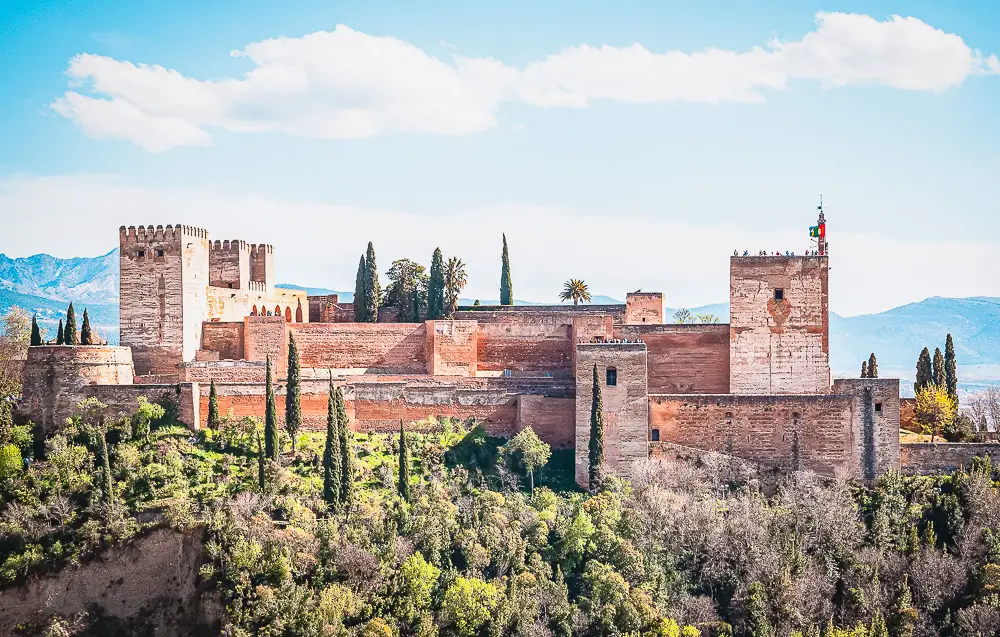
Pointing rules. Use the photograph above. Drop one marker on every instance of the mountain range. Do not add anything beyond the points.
(44, 285)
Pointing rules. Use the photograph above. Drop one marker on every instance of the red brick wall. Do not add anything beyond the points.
(224, 338)
(684, 359)
(266, 336)
(452, 348)
(227, 372)
(392, 348)
(644, 308)
(553, 419)
(763, 429)
(525, 342)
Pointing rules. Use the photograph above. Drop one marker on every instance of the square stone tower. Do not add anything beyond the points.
(644, 308)
(779, 339)
(163, 300)
(622, 375)
(229, 264)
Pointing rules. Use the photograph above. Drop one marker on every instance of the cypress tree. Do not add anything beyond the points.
(404, 464)
(506, 286)
(435, 287)
(69, 332)
(938, 376)
(331, 452)
(261, 463)
(360, 287)
(864, 369)
(596, 433)
(60, 340)
(373, 291)
(271, 442)
(86, 336)
(293, 392)
(346, 461)
(924, 374)
(36, 334)
(213, 407)
(872, 366)
(107, 482)
(950, 368)
(414, 313)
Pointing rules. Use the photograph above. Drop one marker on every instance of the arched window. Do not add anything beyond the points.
(298, 313)
(277, 310)
(288, 314)
(253, 312)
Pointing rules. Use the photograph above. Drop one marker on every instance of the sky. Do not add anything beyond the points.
(634, 145)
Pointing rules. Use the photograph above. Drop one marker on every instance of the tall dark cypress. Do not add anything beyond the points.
(596, 433)
(413, 315)
(360, 288)
(69, 332)
(346, 460)
(872, 366)
(950, 368)
(213, 407)
(435, 287)
(506, 285)
(261, 463)
(373, 291)
(925, 376)
(36, 334)
(86, 336)
(404, 464)
(271, 442)
(60, 339)
(331, 452)
(107, 482)
(293, 392)
(939, 375)
(864, 369)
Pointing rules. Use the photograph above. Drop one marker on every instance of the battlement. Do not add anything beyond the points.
(134, 235)
(260, 249)
(236, 245)
(256, 286)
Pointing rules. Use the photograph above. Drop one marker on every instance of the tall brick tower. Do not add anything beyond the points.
(779, 323)
(163, 300)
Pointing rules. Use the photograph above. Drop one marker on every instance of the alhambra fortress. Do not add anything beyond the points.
(758, 388)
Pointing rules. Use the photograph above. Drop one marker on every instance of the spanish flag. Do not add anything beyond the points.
(818, 231)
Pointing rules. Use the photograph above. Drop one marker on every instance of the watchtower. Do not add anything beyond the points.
(229, 264)
(164, 273)
(779, 323)
(262, 264)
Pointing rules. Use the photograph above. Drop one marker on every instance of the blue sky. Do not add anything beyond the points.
(586, 131)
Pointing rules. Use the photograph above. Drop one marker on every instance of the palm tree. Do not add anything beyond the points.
(454, 280)
(575, 289)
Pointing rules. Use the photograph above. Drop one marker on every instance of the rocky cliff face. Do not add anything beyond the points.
(149, 587)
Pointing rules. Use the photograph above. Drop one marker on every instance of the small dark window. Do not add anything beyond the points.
(159, 253)
(655, 434)
(779, 294)
(612, 377)
(140, 253)
(878, 406)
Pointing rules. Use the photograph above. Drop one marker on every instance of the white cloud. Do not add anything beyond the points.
(614, 253)
(344, 83)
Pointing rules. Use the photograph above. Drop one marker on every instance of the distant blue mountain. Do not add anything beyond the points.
(45, 284)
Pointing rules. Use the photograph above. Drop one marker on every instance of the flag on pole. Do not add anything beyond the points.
(818, 231)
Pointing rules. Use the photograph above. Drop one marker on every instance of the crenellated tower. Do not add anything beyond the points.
(163, 301)
(262, 264)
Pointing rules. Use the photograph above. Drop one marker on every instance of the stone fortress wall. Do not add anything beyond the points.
(196, 312)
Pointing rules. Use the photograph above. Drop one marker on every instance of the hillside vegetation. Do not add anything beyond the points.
(471, 551)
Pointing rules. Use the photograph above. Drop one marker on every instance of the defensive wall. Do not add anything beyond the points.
(919, 458)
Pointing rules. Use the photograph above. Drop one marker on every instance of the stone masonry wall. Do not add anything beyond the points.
(644, 308)
(265, 336)
(224, 338)
(536, 344)
(383, 348)
(55, 378)
(779, 345)
(684, 359)
(790, 432)
(626, 409)
(125, 398)
(944, 457)
(451, 348)
(875, 416)
(553, 419)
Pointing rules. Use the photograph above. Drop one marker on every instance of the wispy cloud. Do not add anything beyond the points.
(347, 84)
(113, 39)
